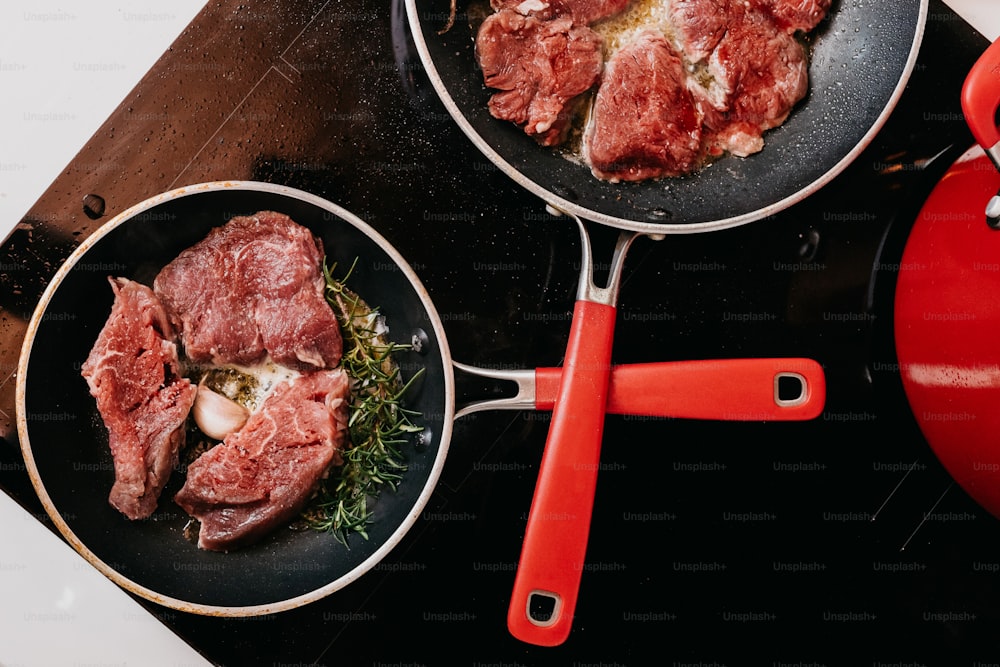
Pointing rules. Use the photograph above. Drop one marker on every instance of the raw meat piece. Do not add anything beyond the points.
(134, 373)
(644, 123)
(764, 73)
(261, 477)
(698, 26)
(251, 287)
(795, 15)
(745, 69)
(540, 68)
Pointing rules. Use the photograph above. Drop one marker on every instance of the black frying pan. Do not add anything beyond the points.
(65, 443)
(861, 59)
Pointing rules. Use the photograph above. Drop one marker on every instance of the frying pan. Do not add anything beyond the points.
(64, 442)
(946, 312)
(861, 58)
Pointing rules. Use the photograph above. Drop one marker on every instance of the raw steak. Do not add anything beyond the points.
(764, 73)
(583, 12)
(745, 69)
(698, 26)
(261, 477)
(134, 373)
(251, 287)
(539, 68)
(795, 15)
(645, 123)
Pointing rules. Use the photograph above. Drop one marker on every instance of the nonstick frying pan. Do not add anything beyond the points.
(861, 58)
(65, 444)
(64, 441)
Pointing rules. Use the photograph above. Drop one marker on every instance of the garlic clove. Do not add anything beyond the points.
(216, 415)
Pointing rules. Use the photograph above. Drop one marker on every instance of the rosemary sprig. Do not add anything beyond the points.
(378, 425)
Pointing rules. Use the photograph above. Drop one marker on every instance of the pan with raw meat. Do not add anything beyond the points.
(139, 538)
(860, 57)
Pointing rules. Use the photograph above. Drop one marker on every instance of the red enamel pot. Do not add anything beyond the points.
(947, 313)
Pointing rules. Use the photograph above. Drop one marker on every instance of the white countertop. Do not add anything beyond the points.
(63, 70)
(64, 67)
(984, 15)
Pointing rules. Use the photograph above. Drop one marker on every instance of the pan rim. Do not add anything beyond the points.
(361, 568)
(653, 228)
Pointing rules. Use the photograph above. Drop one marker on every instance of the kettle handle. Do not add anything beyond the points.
(980, 100)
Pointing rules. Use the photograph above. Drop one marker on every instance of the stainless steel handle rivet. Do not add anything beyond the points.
(993, 212)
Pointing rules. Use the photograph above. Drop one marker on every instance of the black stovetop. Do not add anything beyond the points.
(835, 541)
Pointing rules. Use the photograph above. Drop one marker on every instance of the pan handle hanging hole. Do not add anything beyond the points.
(419, 341)
(543, 608)
(790, 389)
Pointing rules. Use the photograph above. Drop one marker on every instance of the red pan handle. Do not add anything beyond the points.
(981, 97)
(723, 389)
(555, 539)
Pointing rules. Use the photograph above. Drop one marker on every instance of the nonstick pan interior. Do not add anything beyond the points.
(65, 443)
(861, 59)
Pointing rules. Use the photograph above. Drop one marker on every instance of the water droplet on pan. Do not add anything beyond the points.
(563, 191)
(419, 341)
(424, 440)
